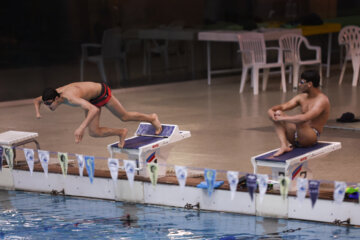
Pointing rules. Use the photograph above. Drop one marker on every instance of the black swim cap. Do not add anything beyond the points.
(49, 94)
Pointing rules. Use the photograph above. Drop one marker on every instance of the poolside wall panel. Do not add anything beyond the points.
(171, 195)
(81, 186)
(272, 206)
(324, 210)
(219, 201)
(123, 191)
(37, 182)
(6, 179)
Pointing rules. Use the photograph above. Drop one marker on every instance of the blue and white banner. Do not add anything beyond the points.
(251, 184)
(210, 177)
(153, 168)
(63, 159)
(1, 157)
(44, 157)
(284, 186)
(113, 165)
(339, 192)
(181, 175)
(314, 191)
(81, 163)
(130, 166)
(29, 156)
(263, 184)
(233, 180)
(301, 185)
(90, 167)
(9, 156)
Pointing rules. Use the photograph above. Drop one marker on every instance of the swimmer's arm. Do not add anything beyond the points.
(37, 103)
(294, 102)
(91, 113)
(304, 117)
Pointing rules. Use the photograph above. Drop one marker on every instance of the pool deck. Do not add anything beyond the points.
(227, 128)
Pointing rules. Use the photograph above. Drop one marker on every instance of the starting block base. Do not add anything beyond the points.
(146, 147)
(292, 164)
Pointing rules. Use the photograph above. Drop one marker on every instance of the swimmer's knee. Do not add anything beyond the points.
(125, 117)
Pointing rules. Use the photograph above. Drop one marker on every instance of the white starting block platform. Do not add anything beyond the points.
(17, 138)
(291, 163)
(146, 147)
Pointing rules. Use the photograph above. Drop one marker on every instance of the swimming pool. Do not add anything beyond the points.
(27, 215)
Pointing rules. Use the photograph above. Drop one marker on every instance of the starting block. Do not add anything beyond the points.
(16, 138)
(146, 147)
(290, 164)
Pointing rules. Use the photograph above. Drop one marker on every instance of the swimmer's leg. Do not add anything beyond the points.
(119, 111)
(285, 132)
(96, 131)
(306, 134)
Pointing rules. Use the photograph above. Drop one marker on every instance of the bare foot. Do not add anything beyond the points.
(282, 150)
(122, 135)
(156, 123)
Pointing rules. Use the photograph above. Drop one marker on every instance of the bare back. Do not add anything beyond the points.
(84, 90)
(319, 104)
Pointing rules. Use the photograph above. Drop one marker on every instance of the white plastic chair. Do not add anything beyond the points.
(111, 48)
(159, 47)
(253, 54)
(349, 37)
(290, 45)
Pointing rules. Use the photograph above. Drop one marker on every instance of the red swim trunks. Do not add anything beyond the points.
(104, 96)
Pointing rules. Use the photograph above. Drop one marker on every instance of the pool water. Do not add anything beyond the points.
(25, 215)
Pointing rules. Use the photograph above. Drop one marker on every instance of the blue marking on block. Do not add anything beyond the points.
(296, 152)
(137, 142)
(147, 129)
(205, 186)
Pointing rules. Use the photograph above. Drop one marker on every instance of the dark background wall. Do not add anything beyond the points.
(41, 34)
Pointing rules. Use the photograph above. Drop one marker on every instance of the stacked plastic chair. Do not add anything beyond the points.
(290, 45)
(253, 53)
(111, 48)
(349, 37)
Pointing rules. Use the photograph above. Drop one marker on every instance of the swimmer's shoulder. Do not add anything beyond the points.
(300, 97)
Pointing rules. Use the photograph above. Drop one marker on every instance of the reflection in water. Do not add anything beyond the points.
(130, 217)
(272, 226)
(38, 216)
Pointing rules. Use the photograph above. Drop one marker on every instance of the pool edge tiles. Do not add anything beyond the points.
(170, 194)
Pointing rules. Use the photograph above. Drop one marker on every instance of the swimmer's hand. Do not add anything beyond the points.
(278, 113)
(37, 101)
(280, 116)
(79, 133)
(273, 114)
